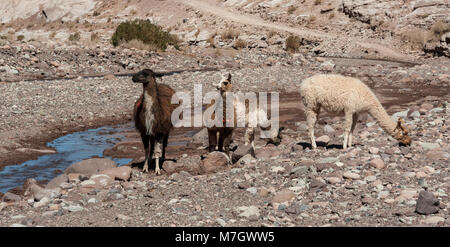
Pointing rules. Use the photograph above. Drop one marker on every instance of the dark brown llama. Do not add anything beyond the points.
(152, 116)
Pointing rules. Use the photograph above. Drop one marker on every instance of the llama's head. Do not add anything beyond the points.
(401, 133)
(274, 136)
(225, 84)
(145, 76)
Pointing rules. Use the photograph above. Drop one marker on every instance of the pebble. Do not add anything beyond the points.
(333, 180)
(247, 212)
(433, 220)
(377, 163)
(351, 175)
(221, 222)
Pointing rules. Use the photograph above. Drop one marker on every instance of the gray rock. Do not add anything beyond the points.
(74, 208)
(328, 129)
(54, 183)
(221, 222)
(429, 145)
(427, 203)
(247, 212)
(200, 137)
(241, 151)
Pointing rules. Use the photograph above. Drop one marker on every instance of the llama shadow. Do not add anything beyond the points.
(306, 145)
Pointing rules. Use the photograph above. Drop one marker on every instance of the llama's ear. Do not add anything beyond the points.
(400, 123)
(228, 76)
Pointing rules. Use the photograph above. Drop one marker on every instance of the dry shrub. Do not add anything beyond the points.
(439, 28)
(74, 37)
(317, 2)
(417, 37)
(271, 34)
(95, 37)
(139, 45)
(20, 37)
(230, 34)
(293, 43)
(240, 44)
(291, 9)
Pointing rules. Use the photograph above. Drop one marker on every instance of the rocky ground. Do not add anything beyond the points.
(48, 90)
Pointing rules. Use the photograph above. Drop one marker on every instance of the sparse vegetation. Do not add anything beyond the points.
(417, 37)
(291, 9)
(96, 13)
(20, 37)
(95, 37)
(332, 15)
(145, 31)
(271, 34)
(230, 34)
(439, 28)
(420, 37)
(139, 45)
(240, 44)
(317, 2)
(74, 37)
(293, 43)
(52, 35)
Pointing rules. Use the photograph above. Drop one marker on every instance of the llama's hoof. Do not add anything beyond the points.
(145, 169)
(157, 171)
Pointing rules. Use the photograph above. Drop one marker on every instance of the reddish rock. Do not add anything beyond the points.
(91, 166)
(97, 181)
(119, 173)
(73, 177)
(377, 163)
(214, 162)
(283, 196)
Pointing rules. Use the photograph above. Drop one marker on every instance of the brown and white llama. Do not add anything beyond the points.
(336, 94)
(221, 137)
(152, 116)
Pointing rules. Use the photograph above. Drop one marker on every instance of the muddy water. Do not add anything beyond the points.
(70, 149)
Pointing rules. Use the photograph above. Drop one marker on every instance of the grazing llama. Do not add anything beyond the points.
(152, 116)
(240, 108)
(336, 94)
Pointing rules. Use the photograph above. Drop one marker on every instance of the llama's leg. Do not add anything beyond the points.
(222, 136)
(146, 142)
(350, 136)
(250, 136)
(157, 155)
(228, 137)
(212, 137)
(149, 158)
(347, 127)
(311, 118)
(165, 141)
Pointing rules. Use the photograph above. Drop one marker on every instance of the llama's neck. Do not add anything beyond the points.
(150, 105)
(383, 119)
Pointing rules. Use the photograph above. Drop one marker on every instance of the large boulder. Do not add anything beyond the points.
(91, 166)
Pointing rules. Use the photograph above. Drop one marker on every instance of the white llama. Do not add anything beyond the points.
(337, 94)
